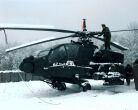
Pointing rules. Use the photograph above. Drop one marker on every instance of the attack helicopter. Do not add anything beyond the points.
(73, 62)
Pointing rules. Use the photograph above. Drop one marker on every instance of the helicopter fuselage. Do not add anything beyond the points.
(65, 61)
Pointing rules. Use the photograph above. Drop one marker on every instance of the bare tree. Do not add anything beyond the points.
(130, 40)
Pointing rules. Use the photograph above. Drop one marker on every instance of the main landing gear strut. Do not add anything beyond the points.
(56, 85)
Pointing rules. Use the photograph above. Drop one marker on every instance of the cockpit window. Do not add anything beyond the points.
(72, 51)
(58, 55)
(43, 53)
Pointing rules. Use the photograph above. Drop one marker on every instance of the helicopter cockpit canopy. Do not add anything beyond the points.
(43, 53)
(62, 53)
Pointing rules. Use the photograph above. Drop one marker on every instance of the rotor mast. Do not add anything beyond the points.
(84, 25)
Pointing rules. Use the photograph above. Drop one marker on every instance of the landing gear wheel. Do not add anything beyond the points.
(61, 87)
(56, 85)
(86, 86)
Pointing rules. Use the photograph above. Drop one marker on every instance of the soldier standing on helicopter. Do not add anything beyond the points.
(107, 36)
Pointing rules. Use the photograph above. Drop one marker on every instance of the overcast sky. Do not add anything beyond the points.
(68, 14)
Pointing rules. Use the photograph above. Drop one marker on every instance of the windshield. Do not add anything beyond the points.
(43, 53)
(58, 55)
(72, 51)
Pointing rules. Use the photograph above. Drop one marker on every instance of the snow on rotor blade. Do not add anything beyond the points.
(26, 45)
(119, 46)
(125, 30)
(27, 26)
(37, 42)
(33, 27)
(115, 44)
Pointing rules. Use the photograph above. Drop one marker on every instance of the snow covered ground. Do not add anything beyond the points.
(36, 95)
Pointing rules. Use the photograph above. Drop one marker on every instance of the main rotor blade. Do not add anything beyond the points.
(33, 27)
(125, 30)
(119, 46)
(115, 44)
(38, 42)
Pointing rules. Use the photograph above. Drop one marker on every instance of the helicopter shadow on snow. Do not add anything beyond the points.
(113, 89)
(74, 89)
(51, 93)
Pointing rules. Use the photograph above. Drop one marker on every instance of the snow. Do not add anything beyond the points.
(27, 26)
(11, 71)
(126, 48)
(37, 95)
(28, 44)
